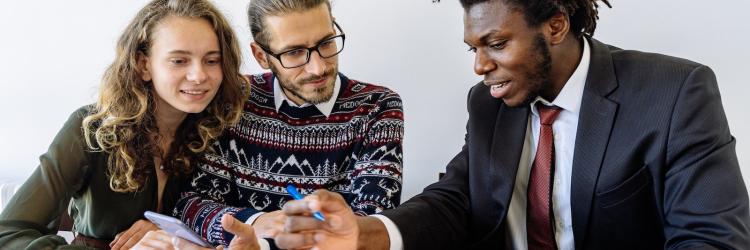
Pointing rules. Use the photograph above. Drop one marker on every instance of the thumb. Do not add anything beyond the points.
(179, 243)
(326, 201)
(236, 227)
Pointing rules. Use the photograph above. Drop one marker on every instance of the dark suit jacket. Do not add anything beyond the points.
(654, 165)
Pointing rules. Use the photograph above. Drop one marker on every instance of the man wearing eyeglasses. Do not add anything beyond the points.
(304, 123)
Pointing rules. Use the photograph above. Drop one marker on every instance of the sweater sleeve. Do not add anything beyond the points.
(377, 175)
(209, 196)
(31, 218)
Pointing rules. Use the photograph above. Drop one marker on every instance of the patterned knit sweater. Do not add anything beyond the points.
(355, 151)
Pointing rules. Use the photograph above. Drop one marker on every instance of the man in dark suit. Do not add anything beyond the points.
(570, 144)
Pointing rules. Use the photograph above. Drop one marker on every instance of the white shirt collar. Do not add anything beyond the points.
(324, 107)
(571, 95)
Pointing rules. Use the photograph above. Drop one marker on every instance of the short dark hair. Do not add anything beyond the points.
(582, 13)
(258, 10)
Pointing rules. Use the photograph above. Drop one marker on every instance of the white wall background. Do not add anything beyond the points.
(53, 53)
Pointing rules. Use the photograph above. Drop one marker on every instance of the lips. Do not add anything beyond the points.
(317, 82)
(194, 94)
(498, 89)
(500, 85)
(193, 91)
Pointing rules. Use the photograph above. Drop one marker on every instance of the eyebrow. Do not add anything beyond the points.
(486, 37)
(185, 52)
(299, 46)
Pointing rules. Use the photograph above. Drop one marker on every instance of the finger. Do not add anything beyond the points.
(161, 237)
(280, 218)
(244, 234)
(319, 237)
(327, 201)
(179, 243)
(154, 244)
(296, 207)
(111, 244)
(156, 234)
(124, 237)
(296, 224)
(334, 222)
(270, 233)
(236, 227)
(182, 244)
(144, 247)
(134, 238)
(294, 241)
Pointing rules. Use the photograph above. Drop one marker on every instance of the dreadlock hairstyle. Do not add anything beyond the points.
(582, 13)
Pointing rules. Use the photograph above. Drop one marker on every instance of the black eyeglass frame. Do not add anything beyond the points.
(309, 50)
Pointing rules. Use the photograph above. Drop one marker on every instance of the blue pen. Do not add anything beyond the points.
(297, 196)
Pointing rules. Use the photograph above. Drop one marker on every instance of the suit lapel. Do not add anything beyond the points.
(595, 123)
(507, 144)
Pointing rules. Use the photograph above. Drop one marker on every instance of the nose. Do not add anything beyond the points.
(482, 63)
(316, 65)
(197, 74)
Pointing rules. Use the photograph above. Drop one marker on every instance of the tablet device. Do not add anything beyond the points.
(176, 227)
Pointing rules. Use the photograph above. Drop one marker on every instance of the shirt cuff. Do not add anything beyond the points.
(252, 219)
(394, 235)
(263, 243)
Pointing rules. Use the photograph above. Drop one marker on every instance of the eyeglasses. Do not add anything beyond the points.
(298, 57)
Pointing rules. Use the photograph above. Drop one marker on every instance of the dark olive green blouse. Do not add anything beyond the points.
(70, 170)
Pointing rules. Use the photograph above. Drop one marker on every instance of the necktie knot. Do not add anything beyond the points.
(547, 114)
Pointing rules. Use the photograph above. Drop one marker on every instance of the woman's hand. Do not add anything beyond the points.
(128, 238)
(244, 238)
(155, 240)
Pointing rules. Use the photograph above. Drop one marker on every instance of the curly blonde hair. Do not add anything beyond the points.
(122, 123)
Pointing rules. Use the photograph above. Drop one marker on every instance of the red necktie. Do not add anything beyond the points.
(539, 230)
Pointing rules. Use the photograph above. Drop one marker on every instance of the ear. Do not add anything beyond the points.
(143, 67)
(557, 28)
(260, 55)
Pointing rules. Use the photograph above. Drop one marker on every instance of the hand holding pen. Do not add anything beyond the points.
(297, 196)
(340, 230)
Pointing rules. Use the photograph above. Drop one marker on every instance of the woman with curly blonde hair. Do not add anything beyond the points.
(172, 89)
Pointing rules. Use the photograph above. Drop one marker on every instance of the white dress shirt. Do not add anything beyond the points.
(325, 107)
(564, 129)
(564, 133)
